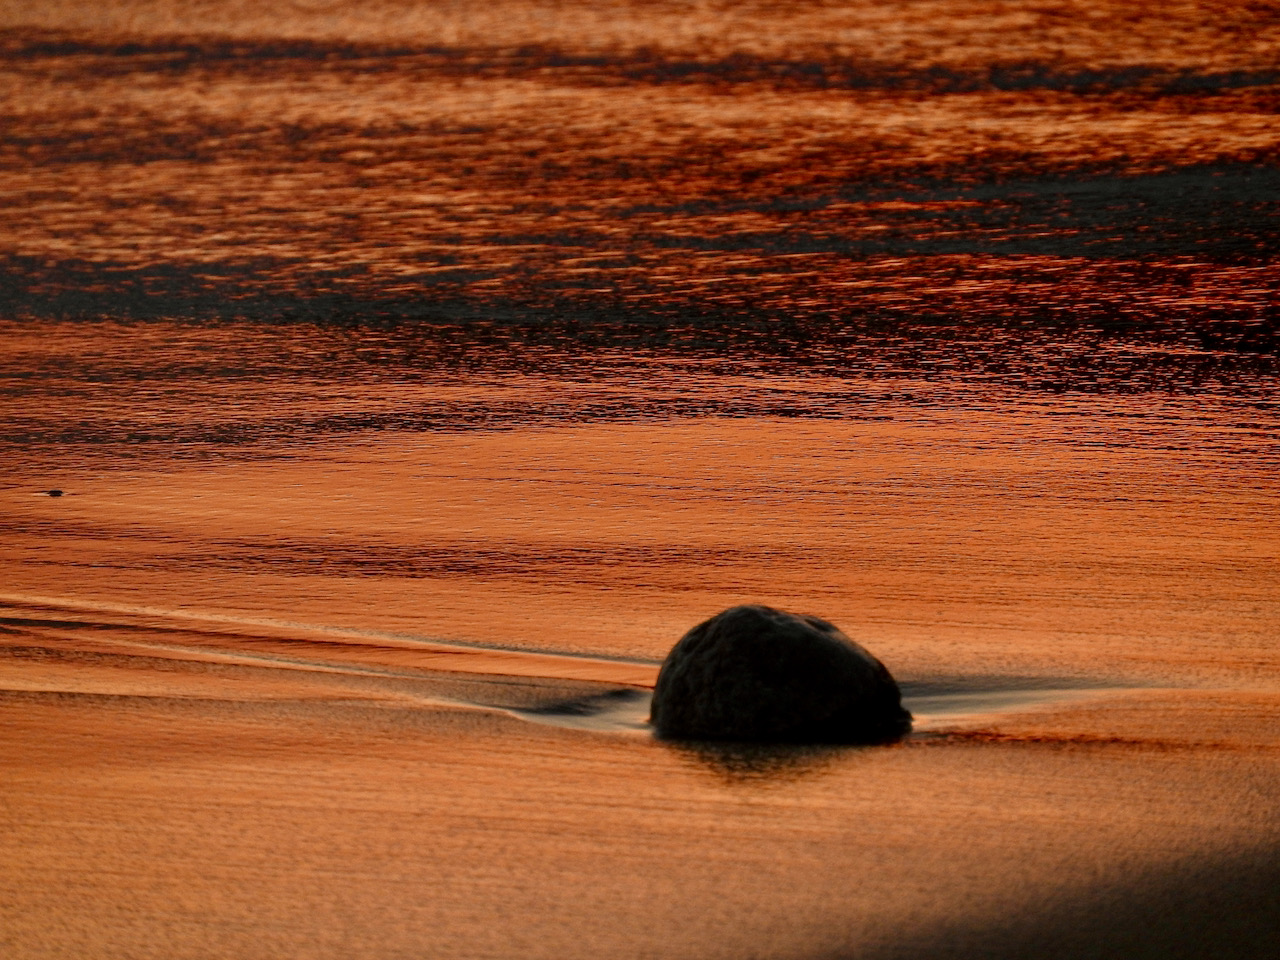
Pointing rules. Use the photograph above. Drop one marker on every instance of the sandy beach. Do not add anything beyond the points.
(386, 387)
(247, 709)
(166, 797)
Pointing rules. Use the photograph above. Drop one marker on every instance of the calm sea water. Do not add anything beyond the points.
(556, 327)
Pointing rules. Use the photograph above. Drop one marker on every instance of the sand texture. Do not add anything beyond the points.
(182, 807)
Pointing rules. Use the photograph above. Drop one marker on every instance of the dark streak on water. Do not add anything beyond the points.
(52, 52)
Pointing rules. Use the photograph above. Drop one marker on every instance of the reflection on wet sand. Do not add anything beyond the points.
(762, 763)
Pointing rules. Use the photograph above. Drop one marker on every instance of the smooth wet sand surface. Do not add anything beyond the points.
(326, 704)
(1066, 539)
(178, 805)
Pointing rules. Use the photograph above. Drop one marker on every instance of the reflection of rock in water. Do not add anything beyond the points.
(761, 762)
(756, 674)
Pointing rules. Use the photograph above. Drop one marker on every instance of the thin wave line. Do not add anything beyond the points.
(413, 640)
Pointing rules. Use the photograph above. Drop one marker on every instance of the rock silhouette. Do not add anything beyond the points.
(757, 674)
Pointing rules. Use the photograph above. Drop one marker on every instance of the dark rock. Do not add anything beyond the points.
(761, 675)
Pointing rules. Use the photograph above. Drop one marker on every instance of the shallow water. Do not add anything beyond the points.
(414, 375)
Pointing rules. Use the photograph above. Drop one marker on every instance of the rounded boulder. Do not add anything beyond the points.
(756, 674)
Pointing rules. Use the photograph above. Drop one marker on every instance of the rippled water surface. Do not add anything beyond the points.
(407, 372)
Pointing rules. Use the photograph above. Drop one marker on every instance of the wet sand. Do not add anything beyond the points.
(325, 704)
(165, 798)
(386, 699)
